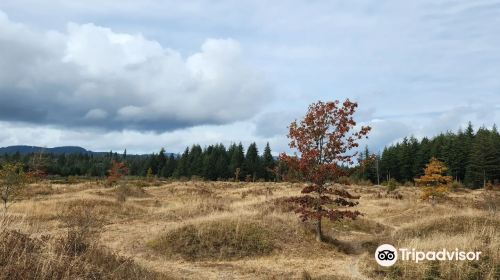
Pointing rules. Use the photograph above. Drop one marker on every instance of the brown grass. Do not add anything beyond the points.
(235, 230)
(219, 240)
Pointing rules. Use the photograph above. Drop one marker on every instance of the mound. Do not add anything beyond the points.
(450, 225)
(221, 239)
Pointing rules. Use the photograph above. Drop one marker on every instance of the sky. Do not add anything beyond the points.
(141, 75)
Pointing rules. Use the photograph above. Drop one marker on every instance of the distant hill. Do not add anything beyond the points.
(23, 149)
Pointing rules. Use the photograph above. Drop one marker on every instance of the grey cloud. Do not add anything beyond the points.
(92, 76)
(272, 124)
(411, 61)
(385, 132)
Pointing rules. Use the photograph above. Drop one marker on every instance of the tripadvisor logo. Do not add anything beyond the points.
(387, 255)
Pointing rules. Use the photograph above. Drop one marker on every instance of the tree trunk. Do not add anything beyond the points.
(319, 232)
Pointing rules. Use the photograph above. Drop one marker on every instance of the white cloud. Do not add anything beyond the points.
(88, 73)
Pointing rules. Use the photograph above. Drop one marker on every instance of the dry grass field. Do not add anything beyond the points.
(223, 230)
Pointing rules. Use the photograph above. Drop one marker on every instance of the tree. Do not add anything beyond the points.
(162, 160)
(12, 178)
(324, 139)
(484, 161)
(268, 163)
(116, 172)
(434, 183)
(237, 158)
(252, 162)
(196, 160)
(367, 169)
(169, 168)
(182, 168)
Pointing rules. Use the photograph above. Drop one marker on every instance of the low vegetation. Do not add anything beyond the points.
(217, 240)
(210, 230)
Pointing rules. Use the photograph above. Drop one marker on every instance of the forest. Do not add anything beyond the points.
(214, 162)
(472, 158)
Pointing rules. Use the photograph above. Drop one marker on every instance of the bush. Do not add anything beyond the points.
(392, 185)
(126, 190)
(223, 239)
(488, 186)
(456, 185)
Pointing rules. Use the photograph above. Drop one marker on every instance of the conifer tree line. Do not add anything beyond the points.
(472, 157)
(214, 162)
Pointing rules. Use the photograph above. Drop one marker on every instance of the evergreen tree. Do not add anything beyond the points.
(484, 160)
(252, 162)
(268, 163)
(182, 168)
(196, 160)
(237, 159)
(422, 157)
(162, 160)
(170, 166)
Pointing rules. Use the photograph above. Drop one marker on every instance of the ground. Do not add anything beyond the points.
(150, 225)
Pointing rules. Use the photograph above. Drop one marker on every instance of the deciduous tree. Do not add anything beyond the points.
(324, 140)
(116, 172)
(12, 178)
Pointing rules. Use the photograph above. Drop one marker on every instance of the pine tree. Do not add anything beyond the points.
(221, 162)
(484, 159)
(196, 160)
(237, 159)
(182, 168)
(170, 166)
(252, 162)
(369, 168)
(161, 161)
(422, 157)
(268, 163)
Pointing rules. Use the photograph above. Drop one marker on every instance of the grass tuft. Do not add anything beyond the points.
(221, 239)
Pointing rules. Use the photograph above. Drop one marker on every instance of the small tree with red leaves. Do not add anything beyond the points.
(116, 172)
(324, 139)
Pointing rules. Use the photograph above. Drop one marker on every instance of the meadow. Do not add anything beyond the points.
(236, 230)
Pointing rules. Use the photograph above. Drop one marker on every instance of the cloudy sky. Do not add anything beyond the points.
(115, 74)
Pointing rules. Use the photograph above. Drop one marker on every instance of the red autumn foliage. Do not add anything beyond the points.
(116, 172)
(324, 139)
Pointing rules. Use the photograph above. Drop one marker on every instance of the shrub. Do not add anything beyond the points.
(126, 190)
(455, 185)
(392, 185)
(223, 239)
